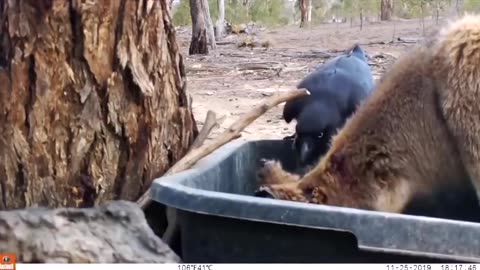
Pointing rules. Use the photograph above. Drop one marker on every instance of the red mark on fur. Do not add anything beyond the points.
(339, 165)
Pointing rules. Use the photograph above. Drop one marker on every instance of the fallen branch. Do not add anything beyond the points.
(225, 42)
(375, 43)
(397, 41)
(112, 233)
(258, 66)
(408, 40)
(208, 126)
(202, 69)
(293, 69)
(234, 55)
(321, 54)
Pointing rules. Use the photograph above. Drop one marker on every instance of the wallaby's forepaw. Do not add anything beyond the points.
(277, 183)
(271, 173)
(292, 192)
(287, 191)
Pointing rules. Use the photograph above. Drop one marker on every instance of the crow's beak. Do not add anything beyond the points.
(305, 149)
(294, 141)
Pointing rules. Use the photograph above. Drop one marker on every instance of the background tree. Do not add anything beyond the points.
(198, 44)
(93, 101)
(386, 10)
(220, 24)
(459, 7)
(303, 12)
(209, 24)
(309, 11)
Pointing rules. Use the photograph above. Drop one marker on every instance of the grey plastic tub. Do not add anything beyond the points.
(222, 222)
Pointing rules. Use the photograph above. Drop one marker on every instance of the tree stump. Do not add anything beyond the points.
(93, 104)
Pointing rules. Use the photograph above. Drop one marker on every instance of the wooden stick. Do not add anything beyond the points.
(231, 133)
(208, 126)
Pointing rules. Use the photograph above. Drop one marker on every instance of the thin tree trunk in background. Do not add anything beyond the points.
(386, 10)
(198, 44)
(93, 102)
(394, 32)
(422, 19)
(459, 4)
(220, 24)
(309, 12)
(247, 8)
(361, 18)
(209, 25)
(303, 13)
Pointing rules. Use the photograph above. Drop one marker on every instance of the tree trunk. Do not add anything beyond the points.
(459, 7)
(422, 14)
(209, 25)
(303, 13)
(198, 44)
(361, 18)
(220, 25)
(309, 12)
(93, 103)
(386, 10)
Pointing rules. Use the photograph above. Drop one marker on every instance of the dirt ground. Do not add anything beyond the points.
(225, 82)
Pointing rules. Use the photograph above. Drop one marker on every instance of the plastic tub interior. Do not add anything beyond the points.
(222, 222)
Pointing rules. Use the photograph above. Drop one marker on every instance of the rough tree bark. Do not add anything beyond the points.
(386, 10)
(220, 24)
(309, 11)
(198, 44)
(303, 13)
(71, 235)
(209, 25)
(93, 104)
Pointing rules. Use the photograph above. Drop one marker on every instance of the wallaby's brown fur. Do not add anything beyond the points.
(419, 129)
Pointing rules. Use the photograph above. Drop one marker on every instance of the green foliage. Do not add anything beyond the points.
(268, 12)
(276, 12)
(351, 8)
(472, 5)
(236, 12)
(182, 13)
(413, 8)
(321, 11)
